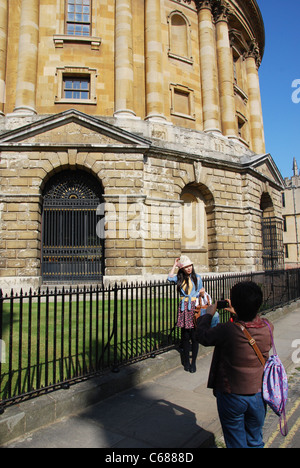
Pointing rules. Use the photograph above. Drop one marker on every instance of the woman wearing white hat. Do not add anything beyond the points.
(189, 285)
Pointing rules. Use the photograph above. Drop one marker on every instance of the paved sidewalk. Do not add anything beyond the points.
(172, 410)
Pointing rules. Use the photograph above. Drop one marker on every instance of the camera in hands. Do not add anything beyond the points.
(222, 305)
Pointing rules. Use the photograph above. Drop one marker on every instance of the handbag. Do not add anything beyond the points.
(275, 381)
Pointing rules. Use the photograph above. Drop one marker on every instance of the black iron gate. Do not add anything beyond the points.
(272, 238)
(72, 251)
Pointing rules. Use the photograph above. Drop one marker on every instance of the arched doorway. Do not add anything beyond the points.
(272, 236)
(71, 249)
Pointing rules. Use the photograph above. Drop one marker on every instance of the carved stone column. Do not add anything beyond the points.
(153, 58)
(28, 57)
(225, 68)
(124, 60)
(3, 51)
(255, 107)
(209, 68)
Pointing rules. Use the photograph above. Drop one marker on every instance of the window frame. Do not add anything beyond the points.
(61, 38)
(76, 79)
(191, 98)
(171, 53)
(76, 72)
(82, 23)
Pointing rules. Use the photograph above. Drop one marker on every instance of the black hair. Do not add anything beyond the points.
(182, 279)
(246, 299)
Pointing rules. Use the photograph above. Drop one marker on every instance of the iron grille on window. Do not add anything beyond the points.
(72, 251)
(272, 239)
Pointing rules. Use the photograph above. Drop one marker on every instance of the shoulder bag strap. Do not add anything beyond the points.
(252, 343)
(272, 338)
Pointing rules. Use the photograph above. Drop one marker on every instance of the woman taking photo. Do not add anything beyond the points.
(236, 373)
(188, 285)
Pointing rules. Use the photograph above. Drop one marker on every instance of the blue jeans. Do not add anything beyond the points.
(242, 418)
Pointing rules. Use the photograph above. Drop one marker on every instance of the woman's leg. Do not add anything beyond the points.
(231, 409)
(186, 348)
(242, 418)
(254, 421)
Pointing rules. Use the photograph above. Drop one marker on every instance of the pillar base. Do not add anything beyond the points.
(157, 118)
(214, 131)
(234, 138)
(24, 110)
(125, 114)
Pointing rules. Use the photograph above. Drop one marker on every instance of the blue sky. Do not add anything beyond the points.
(279, 69)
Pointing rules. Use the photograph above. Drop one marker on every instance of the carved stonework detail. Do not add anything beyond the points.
(185, 1)
(254, 52)
(201, 4)
(221, 10)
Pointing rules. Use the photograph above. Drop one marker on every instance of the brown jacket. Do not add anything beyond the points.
(235, 366)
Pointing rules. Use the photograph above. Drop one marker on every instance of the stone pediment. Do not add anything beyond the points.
(72, 128)
(265, 165)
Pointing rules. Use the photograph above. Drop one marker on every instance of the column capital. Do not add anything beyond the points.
(221, 10)
(254, 52)
(201, 4)
(204, 4)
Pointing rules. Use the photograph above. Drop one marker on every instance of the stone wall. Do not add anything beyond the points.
(143, 180)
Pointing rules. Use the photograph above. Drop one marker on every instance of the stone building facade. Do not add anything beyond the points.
(291, 216)
(131, 131)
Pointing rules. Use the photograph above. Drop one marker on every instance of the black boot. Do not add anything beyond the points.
(186, 350)
(195, 349)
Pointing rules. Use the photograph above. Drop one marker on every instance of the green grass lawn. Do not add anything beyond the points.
(61, 340)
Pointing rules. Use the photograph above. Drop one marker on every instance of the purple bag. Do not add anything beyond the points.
(275, 386)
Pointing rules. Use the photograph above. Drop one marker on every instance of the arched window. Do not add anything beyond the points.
(179, 36)
(266, 205)
(194, 222)
(71, 248)
(272, 235)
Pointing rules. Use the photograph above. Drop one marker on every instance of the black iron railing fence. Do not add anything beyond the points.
(50, 339)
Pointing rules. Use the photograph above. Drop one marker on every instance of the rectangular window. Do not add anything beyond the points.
(76, 87)
(76, 84)
(182, 101)
(284, 224)
(78, 17)
(286, 251)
